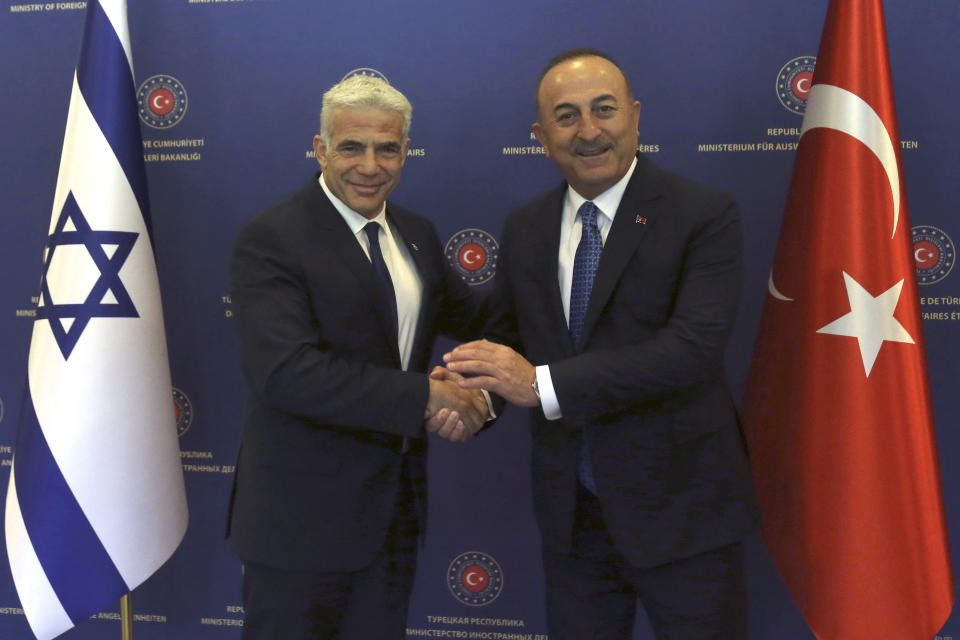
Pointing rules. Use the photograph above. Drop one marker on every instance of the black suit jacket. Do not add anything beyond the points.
(665, 441)
(329, 408)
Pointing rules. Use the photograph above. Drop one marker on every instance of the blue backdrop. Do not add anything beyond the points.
(236, 86)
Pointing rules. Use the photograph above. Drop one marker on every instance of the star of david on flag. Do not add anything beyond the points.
(108, 298)
(96, 501)
(837, 409)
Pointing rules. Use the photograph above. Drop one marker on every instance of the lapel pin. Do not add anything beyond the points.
(414, 246)
(641, 220)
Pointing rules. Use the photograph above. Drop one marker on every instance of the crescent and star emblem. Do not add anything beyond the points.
(870, 320)
(161, 101)
(473, 578)
(831, 107)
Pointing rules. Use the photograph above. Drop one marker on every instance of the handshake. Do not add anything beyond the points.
(457, 409)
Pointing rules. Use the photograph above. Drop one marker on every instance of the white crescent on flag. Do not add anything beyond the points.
(831, 107)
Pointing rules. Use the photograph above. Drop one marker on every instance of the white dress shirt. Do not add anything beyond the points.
(406, 281)
(571, 228)
(403, 271)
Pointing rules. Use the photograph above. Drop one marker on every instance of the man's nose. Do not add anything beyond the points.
(588, 128)
(368, 164)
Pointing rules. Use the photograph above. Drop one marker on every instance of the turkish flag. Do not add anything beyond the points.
(837, 409)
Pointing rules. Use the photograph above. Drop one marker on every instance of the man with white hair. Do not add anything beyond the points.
(337, 296)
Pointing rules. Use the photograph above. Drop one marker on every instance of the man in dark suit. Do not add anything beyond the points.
(624, 284)
(337, 297)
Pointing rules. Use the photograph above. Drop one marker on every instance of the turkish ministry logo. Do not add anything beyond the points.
(934, 252)
(161, 101)
(183, 410)
(365, 71)
(107, 297)
(794, 82)
(473, 254)
(474, 578)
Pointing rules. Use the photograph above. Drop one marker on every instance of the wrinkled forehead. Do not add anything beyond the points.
(366, 122)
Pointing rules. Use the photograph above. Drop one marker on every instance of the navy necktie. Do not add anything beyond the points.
(584, 271)
(388, 295)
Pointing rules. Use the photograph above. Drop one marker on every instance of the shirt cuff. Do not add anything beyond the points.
(491, 414)
(548, 397)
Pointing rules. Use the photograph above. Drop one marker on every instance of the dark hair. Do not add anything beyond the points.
(571, 54)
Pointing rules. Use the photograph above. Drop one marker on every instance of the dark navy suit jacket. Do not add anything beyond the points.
(667, 449)
(329, 405)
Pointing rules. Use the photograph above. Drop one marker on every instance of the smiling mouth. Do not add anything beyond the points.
(592, 152)
(366, 188)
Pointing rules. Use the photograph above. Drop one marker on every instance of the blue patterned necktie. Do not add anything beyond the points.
(584, 270)
(388, 295)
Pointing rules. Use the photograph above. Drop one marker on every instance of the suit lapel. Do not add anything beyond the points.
(412, 235)
(338, 238)
(545, 256)
(634, 215)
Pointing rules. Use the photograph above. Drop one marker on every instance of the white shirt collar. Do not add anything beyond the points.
(354, 220)
(608, 201)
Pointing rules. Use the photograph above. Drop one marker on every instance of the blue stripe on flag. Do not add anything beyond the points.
(74, 560)
(106, 82)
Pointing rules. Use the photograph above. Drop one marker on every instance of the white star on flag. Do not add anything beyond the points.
(870, 320)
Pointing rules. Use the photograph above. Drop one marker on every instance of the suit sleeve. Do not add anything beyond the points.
(685, 352)
(290, 368)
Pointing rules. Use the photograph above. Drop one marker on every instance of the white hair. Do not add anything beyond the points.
(363, 92)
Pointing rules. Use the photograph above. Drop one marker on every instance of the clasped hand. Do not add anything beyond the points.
(494, 367)
(453, 412)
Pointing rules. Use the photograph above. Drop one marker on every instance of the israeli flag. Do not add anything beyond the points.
(96, 500)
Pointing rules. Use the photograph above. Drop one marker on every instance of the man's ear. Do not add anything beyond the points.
(320, 149)
(539, 133)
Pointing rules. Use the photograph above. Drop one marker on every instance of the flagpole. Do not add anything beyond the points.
(126, 618)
